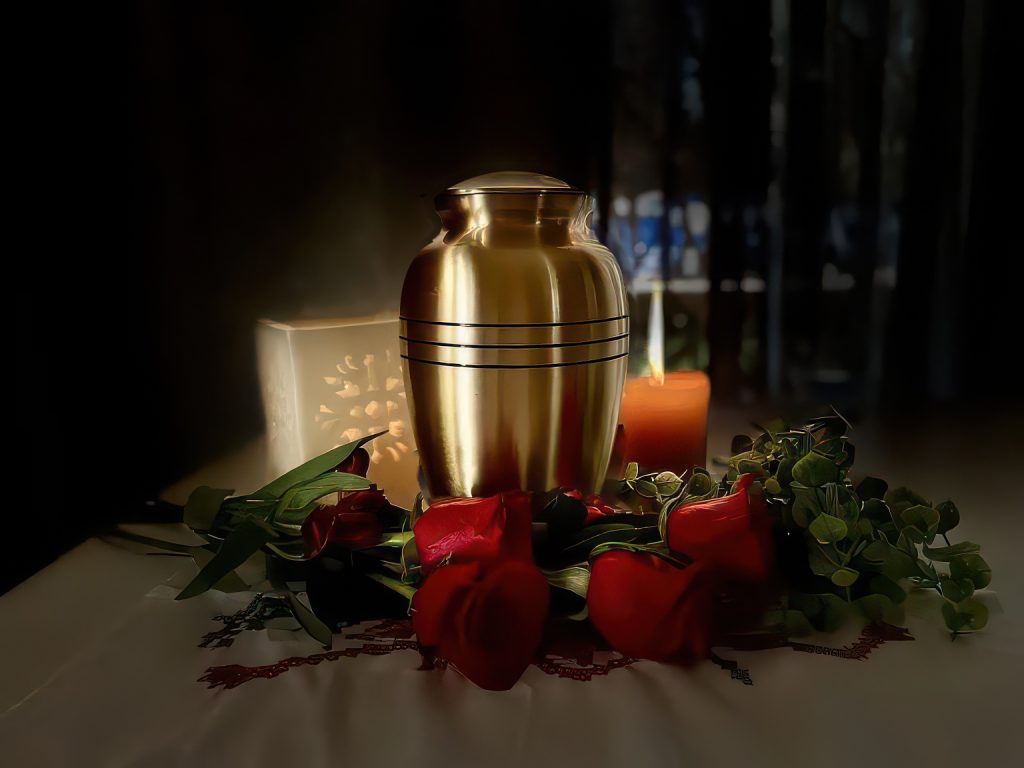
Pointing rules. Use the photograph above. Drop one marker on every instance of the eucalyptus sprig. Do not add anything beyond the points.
(864, 544)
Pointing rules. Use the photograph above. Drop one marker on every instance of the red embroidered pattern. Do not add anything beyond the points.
(566, 654)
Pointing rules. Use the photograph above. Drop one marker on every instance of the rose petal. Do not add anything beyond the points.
(475, 530)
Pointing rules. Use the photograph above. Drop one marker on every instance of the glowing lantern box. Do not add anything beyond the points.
(328, 382)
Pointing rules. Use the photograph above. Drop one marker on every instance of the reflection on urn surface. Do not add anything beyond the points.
(514, 336)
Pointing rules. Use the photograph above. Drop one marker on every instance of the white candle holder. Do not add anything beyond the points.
(328, 382)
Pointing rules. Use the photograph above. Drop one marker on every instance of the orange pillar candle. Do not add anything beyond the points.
(665, 424)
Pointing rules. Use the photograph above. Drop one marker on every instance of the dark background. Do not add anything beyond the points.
(190, 168)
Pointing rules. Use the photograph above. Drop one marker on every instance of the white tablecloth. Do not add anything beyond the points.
(100, 667)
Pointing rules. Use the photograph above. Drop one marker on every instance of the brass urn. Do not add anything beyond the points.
(514, 335)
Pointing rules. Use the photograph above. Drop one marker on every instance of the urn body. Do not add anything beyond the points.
(514, 335)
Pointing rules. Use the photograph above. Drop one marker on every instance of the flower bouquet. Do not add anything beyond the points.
(662, 566)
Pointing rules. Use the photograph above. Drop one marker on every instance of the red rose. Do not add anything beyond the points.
(649, 608)
(475, 530)
(597, 508)
(733, 531)
(357, 463)
(488, 622)
(353, 523)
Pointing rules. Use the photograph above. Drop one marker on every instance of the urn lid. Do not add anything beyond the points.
(512, 182)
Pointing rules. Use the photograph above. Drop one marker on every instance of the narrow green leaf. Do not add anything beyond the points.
(396, 585)
(309, 491)
(309, 621)
(574, 579)
(243, 542)
(203, 505)
(601, 533)
(311, 469)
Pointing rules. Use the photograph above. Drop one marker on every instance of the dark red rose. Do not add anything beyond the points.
(486, 621)
(733, 531)
(353, 523)
(597, 508)
(475, 530)
(649, 608)
(357, 463)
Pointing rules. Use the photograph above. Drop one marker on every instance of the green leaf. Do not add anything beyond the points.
(772, 486)
(872, 488)
(700, 486)
(827, 529)
(922, 518)
(740, 444)
(785, 471)
(823, 561)
(668, 484)
(574, 579)
(202, 507)
(309, 491)
(645, 488)
(806, 504)
(229, 582)
(899, 499)
(883, 585)
(976, 612)
(926, 571)
(749, 467)
(889, 560)
(796, 624)
(953, 618)
(879, 608)
(844, 577)
(592, 535)
(967, 615)
(949, 516)
(876, 510)
(243, 542)
(632, 471)
(834, 612)
(814, 469)
(956, 590)
(971, 567)
(309, 621)
(945, 554)
(311, 469)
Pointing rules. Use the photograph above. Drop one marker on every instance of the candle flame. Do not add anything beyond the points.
(656, 335)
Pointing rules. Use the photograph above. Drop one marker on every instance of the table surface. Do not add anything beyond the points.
(101, 667)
